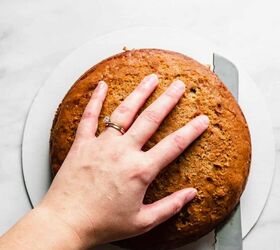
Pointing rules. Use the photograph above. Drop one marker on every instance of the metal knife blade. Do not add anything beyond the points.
(227, 72)
(228, 235)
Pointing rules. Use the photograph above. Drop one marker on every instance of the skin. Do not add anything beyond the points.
(97, 196)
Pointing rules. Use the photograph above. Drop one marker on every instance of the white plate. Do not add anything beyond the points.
(35, 146)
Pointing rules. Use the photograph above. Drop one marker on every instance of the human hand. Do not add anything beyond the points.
(98, 192)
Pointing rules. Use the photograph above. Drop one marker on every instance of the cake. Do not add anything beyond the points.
(216, 164)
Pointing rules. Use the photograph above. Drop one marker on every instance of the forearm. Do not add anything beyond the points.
(41, 230)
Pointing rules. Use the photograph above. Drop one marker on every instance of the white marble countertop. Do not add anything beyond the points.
(36, 35)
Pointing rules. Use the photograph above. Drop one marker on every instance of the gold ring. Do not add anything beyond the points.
(108, 123)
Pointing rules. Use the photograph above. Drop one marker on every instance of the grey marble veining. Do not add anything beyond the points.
(36, 35)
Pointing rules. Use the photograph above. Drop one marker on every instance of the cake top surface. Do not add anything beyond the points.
(216, 164)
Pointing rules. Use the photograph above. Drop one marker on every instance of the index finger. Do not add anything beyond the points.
(89, 120)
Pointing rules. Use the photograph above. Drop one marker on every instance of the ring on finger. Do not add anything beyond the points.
(109, 123)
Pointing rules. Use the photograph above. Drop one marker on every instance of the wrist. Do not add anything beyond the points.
(54, 230)
(41, 230)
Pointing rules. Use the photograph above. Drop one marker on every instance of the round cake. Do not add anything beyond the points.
(216, 164)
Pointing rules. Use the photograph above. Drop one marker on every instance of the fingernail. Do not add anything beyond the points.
(179, 84)
(191, 194)
(204, 119)
(150, 78)
(101, 85)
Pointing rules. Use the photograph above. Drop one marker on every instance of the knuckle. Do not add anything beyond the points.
(172, 93)
(123, 109)
(141, 87)
(176, 206)
(142, 174)
(86, 168)
(152, 116)
(179, 142)
(146, 224)
(134, 137)
(88, 115)
(94, 99)
(116, 156)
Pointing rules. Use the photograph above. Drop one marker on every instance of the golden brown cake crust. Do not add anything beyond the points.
(216, 164)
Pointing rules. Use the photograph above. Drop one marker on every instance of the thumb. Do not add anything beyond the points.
(153, 214)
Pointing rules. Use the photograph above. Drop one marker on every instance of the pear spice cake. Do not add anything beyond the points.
(216, 164)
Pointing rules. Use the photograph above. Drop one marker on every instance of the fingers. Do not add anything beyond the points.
(153, 214)
(126, 111)
(89, 120)
(174, 144)
(150, 119)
